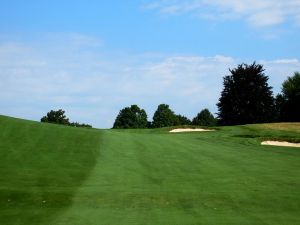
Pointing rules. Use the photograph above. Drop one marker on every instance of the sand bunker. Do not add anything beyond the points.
(188, 130)
(281, 143)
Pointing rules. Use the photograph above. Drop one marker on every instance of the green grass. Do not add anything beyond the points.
(41, 167)
(113, 177)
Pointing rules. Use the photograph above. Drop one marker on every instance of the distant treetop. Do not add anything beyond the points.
(131, 117)
(288, 103)
(204, 118)
(59, 117)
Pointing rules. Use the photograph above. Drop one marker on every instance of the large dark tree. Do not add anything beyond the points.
(204, 118)
(246, 97)
(164, 117)
(131, 117)
(57, 117)
(288, 103)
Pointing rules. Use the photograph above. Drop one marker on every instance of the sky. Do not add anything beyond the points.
(93, 58)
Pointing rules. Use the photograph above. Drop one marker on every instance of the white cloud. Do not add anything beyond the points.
(93, 86)
(278, 70)
(258, 13)
(286, 61)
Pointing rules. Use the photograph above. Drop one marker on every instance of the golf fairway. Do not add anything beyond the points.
(57, 175)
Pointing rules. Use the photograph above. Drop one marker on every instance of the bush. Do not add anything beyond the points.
(76, 124)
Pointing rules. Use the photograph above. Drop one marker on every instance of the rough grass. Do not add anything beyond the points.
(279, 126)
(289, 132)
(146, 176)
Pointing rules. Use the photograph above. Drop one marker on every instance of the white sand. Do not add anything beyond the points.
(188, 130)
(281, 143)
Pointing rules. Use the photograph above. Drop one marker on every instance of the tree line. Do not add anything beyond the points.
(246, 98)
(134, 117)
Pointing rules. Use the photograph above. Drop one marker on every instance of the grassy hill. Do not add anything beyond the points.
(41, 166)
(58, 175)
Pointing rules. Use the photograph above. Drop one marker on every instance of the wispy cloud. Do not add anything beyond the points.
(258, 13)
(92, 86)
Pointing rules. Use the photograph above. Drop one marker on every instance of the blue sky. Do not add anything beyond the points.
(93, 58)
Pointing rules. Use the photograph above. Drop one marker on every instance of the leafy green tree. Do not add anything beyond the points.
(246, 97)
(131, 117)
(164, 117)
(288, 103)
(204, 118)
(57, 117)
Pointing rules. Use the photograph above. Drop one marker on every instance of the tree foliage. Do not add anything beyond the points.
(246, 97)
(59, 117)
(131, 117)
(164, 117)
(204, 118)
(76, 124)
(288, 103)
(182, 120)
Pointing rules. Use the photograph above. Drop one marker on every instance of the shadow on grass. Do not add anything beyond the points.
(41, 168)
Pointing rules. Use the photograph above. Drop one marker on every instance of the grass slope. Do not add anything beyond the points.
(41, 166)
(147, 176)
